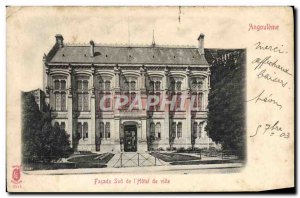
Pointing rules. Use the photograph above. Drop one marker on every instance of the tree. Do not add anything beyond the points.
(226, 117)
(41, 142)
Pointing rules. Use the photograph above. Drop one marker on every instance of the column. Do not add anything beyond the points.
(166, 127)
(188, 132)
(117, 78)
(93, 112)
(70, 106)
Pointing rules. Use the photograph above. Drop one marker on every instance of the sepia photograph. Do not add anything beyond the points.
(149, 99)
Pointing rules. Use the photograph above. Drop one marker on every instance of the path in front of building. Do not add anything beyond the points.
(134, 159)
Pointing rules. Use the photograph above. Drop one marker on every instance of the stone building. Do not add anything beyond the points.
(78, 77)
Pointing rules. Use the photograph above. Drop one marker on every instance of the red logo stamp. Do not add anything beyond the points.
(16, 174)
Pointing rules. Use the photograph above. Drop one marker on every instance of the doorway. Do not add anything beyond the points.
(130, 138)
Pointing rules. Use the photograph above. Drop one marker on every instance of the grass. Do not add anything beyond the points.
(85, 161)
(93, 158)
(172, 157)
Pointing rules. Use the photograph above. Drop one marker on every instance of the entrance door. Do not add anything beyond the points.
(130, 139)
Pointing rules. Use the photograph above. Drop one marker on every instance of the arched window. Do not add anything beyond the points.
(179, 130)
(157, 85)
(107, 85)
(157, 130)
(195, 126)
(132, 85)
(101, 129)
(85, 130)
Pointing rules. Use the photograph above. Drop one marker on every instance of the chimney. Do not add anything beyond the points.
(201, 44)
(59, 40)
(92, 48)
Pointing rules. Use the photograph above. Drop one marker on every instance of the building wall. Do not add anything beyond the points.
(62, 93)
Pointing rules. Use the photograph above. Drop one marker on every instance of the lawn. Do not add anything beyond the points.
(92, 161)
(173, 157)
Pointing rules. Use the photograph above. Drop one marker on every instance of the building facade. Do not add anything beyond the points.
(102, 95)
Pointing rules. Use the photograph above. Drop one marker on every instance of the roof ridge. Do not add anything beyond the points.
(129, 46)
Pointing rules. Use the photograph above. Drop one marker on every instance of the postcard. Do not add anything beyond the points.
(150, 99)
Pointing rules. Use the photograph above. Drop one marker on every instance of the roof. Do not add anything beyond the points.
(127, 54)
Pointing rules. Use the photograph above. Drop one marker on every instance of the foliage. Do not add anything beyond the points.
(226, 117)
(41, 142)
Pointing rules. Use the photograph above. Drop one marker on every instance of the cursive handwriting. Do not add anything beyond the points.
(270, 48)
(263, 74)
(266, 99)
(271, 129)
(267, 61)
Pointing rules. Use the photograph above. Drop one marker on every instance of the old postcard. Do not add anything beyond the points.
(150, 99)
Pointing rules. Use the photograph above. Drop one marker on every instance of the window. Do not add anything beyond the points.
(199, 85)
(100, 85)
(101, 127)
(132, 85)
(152, 129)
(179, 130)
(157, 107)
(197, 97)
(172, 85)
(178, 101)
(107, 100)
(60, 95)
(79, 130)
(194, 85)
(126, 85)
(178, 86)
(107, 85)
(107, 130)
(157, 130)
(200, 130)
(151, 86)
(82, 130)
(157, 85)
(85, 130)
(82, 95)
(62, 126)
(173, 130)
(195, 126)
